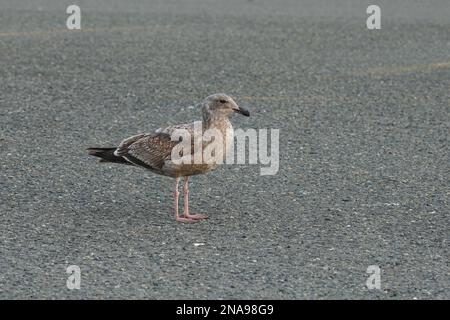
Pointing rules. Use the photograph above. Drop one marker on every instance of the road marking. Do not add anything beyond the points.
(84, 30)
(402, 70)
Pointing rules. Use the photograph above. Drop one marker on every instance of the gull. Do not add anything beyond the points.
(153, 150)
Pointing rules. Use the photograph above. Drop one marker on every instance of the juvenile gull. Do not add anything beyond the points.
(153, 151)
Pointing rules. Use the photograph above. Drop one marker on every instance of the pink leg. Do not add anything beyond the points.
(186, 203)
(176, 194)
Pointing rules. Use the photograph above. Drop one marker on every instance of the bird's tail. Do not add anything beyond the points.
(106, 155)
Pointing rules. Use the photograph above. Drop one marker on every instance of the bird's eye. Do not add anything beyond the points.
(223, 101)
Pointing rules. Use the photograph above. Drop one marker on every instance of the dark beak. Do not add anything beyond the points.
(242, 111)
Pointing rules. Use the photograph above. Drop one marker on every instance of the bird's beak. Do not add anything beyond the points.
(242, 111)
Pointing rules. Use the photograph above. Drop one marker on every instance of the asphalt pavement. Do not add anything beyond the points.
(364, 176)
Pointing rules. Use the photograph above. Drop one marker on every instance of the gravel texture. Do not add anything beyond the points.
(364, 121)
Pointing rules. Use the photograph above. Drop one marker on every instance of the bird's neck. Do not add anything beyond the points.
(215, 120)
(223, 124)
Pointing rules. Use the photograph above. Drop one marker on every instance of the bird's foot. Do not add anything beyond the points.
(185, 220)
(196, 217)
(189, 219)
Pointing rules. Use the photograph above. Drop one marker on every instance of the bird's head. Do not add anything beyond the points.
(223, 104)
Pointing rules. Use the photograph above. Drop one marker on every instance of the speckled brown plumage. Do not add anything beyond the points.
(153, 150)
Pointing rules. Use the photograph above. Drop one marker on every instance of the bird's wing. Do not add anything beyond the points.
(149, 150)
(194, 130)
(122, 149)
